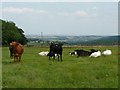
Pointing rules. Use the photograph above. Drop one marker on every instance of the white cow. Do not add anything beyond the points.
(107, 52)
(95, 54)
(43, 53)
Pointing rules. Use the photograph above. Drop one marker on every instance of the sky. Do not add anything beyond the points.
(63, 18)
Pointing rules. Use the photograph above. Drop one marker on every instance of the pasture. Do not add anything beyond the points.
(36, 71)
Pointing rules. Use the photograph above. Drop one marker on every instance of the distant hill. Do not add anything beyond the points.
(77, 40)
(108, 40)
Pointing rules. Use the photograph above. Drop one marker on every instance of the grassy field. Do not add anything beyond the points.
(0, 67)
(36, 71)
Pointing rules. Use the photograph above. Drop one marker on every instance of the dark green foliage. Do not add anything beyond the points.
(10, 32)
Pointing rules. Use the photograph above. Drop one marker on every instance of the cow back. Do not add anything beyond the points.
(18, 49)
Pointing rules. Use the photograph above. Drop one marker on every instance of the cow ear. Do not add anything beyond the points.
(10, 44)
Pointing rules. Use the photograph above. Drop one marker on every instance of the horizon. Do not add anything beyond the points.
(67, 35)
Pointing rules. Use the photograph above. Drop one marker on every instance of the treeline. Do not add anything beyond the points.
(10, 32)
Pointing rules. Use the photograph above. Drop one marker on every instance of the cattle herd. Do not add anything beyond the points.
(55, 50)
(91, 53)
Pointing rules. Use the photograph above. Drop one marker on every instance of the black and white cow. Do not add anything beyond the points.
(84, 53)
(72, 53)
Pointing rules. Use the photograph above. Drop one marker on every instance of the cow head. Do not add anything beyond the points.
(13, 44)
(93, 50)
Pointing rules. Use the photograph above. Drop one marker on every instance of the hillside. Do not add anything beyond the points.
(75, 40)
(109, 40)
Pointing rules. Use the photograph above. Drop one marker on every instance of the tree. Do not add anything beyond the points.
(10, 32)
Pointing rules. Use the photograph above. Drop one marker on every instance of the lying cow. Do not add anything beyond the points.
(85, 53)
(93, 50)
(107, 52)
(43, 53)
(95, 54)
(72, 53)
(17, 50)
(56, 49)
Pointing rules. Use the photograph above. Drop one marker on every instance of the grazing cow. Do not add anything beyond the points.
(43, 53)
(17, 50)
(55, 49)
(11, 51)
(107, 52)
(96, 54)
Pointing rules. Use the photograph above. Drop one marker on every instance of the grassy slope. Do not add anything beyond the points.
(37, 72)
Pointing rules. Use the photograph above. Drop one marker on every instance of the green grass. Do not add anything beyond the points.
(0, 67)
(36, 71)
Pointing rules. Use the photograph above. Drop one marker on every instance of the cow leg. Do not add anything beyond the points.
(58, 57)
(49, 57)
(14, 58)
(11, 53)
(54, 57)
(61, 57)
(19, 58)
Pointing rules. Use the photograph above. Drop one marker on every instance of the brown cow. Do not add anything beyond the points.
(17, 50)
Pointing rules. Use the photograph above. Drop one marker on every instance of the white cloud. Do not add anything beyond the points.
(22, 10)
(76, 13)
(81, 13)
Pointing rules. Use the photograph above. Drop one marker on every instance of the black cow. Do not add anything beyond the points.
(85, 53)
(51, 54)
(55, 49)
(11, 51)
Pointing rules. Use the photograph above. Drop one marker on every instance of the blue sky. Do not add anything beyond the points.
(63, 18)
